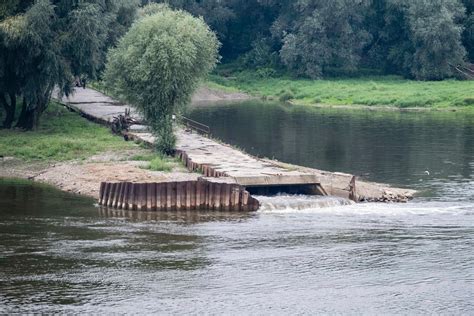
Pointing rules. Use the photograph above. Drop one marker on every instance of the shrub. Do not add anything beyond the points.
(286, 96)
(264, 73)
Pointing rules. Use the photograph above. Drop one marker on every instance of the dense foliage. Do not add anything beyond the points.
(49, 43)
(423, 39)
(158, 63)
(46, 44)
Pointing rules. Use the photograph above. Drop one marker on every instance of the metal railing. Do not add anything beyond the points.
(196, 126)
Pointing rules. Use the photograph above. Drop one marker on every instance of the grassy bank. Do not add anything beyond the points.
(390, 91)
(62, 135)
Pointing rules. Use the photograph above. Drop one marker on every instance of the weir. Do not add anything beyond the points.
(224, 165)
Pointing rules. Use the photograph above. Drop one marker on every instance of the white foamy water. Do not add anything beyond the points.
(304, 204)
(288, 202)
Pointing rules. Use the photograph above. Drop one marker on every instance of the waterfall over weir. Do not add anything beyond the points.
(299, 202)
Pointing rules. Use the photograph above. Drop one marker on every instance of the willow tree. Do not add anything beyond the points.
(319, 35)
(46, 43)
(157, 65)
(436, 36)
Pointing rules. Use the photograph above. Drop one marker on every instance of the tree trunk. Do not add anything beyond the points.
(9, 109)
(32, 110)
(27, 117)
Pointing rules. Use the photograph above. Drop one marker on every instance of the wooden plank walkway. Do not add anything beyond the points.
(199, 153)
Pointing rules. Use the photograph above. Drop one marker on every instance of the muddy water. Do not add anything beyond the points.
(297, 255)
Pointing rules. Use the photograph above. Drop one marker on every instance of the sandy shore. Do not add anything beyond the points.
(207, 95)
(84, 177)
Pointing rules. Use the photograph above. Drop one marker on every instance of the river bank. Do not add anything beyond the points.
(76, 155)
(79, 170)
(373, 93)
(199, 153)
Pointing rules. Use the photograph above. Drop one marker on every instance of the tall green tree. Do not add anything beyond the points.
(436, 35)
(158, 64)
(239, 24)
(44, 44)
(418, 39)
(30, 66)
(318, 35)
(468, 36)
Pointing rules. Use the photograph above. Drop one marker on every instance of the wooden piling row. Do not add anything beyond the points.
(176, 196)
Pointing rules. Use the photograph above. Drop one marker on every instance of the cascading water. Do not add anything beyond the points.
(299, 202)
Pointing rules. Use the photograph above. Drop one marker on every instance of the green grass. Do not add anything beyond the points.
(390, 91)
(160, 164)
(157, 162)
(62, 135)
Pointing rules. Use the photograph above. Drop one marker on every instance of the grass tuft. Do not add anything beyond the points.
(159, 164)
(156, 162)
(286, 96)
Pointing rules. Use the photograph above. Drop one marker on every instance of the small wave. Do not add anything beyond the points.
(300, 202)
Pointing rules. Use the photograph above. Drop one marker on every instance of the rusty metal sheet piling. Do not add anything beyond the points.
(177, 196)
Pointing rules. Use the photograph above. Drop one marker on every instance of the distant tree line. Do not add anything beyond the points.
(422, 39)
(45, 44)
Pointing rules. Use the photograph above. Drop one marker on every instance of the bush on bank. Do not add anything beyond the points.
(158, 64)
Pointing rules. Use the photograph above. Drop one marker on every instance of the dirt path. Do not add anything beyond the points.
(206, 95)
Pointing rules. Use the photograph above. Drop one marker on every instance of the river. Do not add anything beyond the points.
(60, 253)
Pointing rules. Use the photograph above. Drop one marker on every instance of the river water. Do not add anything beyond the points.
(60, 253)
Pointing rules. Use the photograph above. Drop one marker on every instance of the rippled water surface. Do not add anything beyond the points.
(429, 151)
(297, 255)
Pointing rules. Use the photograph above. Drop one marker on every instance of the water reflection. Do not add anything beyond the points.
(390, 147)
(60, 254)
(188, 217)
